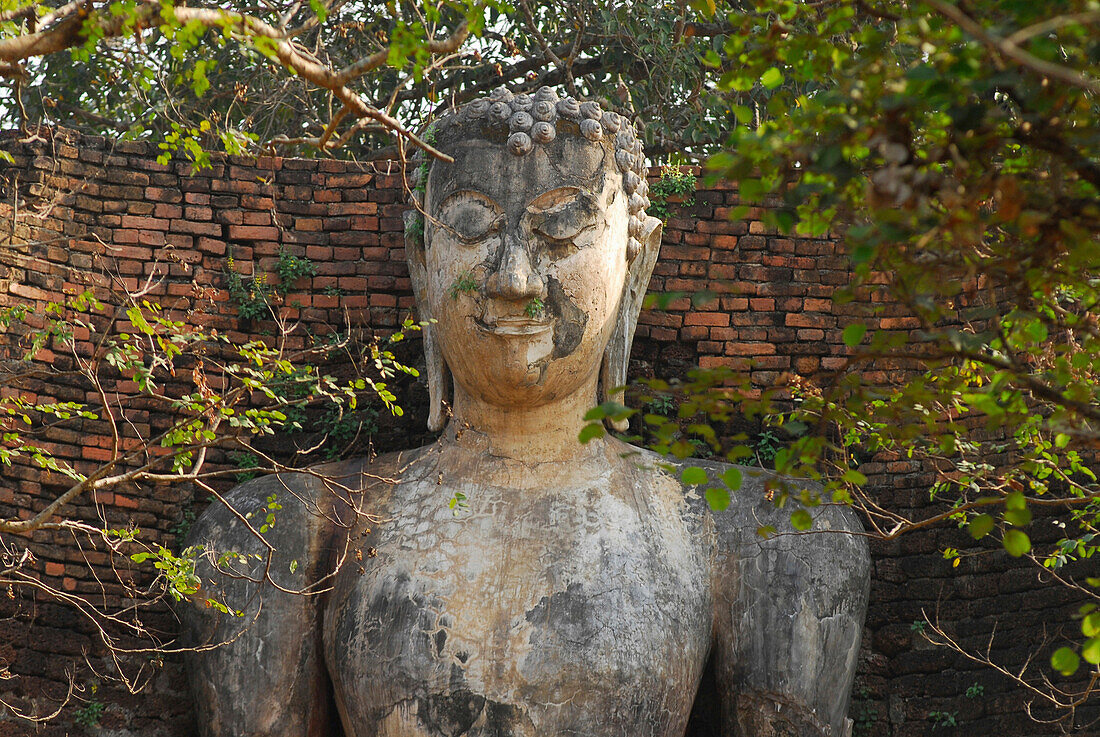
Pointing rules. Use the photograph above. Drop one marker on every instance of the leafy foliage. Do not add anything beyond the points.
(215, 400)
(954, 147)
(254, 295)
(326, 76)
(228, 77)
(88, 715)
(673, 183)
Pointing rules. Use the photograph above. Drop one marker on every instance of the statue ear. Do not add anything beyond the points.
(439, 376)
(617, 354)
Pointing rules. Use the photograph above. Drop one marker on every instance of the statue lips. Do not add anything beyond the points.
(513, 326)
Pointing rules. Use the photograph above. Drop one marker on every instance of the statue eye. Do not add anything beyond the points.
(564, 217)
(470, 216)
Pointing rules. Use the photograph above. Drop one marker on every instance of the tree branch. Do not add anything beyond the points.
(359, 68)
(70, 32)
(1008, 49)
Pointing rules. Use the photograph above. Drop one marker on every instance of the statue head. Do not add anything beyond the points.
(535, 250)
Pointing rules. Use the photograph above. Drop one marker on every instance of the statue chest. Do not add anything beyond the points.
(576, 611)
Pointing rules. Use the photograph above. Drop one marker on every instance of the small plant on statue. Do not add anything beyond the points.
(534, 307)
(463, 284)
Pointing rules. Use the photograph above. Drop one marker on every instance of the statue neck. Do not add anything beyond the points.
(545, 433)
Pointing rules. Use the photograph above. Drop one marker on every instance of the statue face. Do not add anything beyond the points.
(526, 262)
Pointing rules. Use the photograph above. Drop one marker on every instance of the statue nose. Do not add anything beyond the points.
(515, 278)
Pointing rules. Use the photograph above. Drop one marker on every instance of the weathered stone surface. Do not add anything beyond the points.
(508, 580)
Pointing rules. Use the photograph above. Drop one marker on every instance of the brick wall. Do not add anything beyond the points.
(86, 207)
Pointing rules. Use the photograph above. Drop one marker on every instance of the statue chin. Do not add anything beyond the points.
(500, 581)
(513, 366)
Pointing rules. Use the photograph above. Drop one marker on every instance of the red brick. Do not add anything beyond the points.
(748, 349)
(772, 362)
(160, 194)
(717, 319)
(762, 304)
(661, 318)
(186, 226)
(168, 211)
(796, 320)
(144, 223)
(256, 218)
(899, 323)
(133, 253)
(28, 292)
(209, 245)
(54, 569)
(383, 300)
(253, 233)
(736, 364)
(664, 334)
(685, 253)
(92, 453)
(695, 333)
(735, 304)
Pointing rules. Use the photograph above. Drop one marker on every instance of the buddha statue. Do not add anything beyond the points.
(509, 580)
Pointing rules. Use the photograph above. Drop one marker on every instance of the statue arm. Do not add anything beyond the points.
(790, 612)
(262, 673)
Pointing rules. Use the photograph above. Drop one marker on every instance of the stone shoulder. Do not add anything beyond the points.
(837, 533)
(835, 526)
(789, 607)
(325, 495)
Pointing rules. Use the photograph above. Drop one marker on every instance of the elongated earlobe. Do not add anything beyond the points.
(616, 356)
(439, 381)
(437, 373)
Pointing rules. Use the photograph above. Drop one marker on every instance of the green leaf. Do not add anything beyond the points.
(1018, 517)
(854, 333)
(1090, 625)
(1065, 661)
(693, 476)
(1016, 543)
(682, 449)
(1090, 651)
(980, 526)
(796, 428)
(718, 499)
(594, 414)
(742, 114)
(801, 520)
(771, 78)
(853, 476)
(591, 431)
(732, 478)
